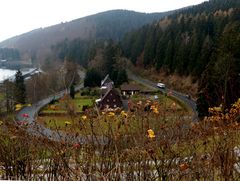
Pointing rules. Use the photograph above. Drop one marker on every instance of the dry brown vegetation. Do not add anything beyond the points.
(182, 150)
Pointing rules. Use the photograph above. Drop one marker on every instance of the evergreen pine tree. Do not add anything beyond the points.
(202, 105)
(72, 91)
(122, 77)
(92, 78)
(20, 90)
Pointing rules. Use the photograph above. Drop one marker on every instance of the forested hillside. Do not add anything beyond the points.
(9, 54)
(202, 40)
(107, 25)
(77, 50)
(99, 58)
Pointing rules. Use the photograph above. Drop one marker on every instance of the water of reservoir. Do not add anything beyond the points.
(6, 73)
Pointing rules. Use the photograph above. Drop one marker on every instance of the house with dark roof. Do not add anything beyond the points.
(110, 98)
(106, 84)
(129, 89)
(107, 81)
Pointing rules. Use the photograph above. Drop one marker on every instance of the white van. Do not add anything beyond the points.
(161, 85)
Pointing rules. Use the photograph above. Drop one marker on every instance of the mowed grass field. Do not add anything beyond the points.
(162, 99)
(62, 105)
(2, 95)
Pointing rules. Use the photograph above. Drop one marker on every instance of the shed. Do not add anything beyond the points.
(129, 89)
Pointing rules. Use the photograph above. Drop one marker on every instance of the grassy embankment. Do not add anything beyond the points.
(2, 96)
(160, 111)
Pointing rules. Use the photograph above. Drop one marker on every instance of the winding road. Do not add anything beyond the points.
(178, 95)
(39, 130)
(36, 129)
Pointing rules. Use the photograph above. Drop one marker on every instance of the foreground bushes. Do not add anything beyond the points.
(180, 150)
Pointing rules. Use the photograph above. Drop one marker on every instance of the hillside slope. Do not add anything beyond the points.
(107, 25)
(183, 42)
(202, 41)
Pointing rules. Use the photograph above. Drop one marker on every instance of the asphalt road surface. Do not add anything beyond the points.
(178, 95)
(39, 130)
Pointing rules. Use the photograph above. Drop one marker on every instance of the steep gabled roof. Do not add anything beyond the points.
(106, 80)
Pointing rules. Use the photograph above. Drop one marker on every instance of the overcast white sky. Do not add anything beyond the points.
(19, 16)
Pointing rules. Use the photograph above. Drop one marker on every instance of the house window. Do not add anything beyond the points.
(115, 105)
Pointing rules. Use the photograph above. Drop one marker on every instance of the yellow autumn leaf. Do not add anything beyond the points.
(155, 111)
(18, 107)
(111, 114)
(68, 122)
(150, 133)
(84, 117)
(123, 113)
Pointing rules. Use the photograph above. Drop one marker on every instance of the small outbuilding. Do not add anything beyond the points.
(129, 89)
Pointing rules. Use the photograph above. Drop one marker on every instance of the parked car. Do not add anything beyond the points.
(161, 85)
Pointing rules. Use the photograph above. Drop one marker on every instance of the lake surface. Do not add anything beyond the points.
(6, 73)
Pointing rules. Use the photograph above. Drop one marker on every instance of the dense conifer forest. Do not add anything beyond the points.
(202, 41)
(9, 54)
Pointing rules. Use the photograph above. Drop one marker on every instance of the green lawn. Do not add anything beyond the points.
(162, 99)
(100, 126)
(2, 96)
(80, 102)
(103, 124)
(61, 106)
